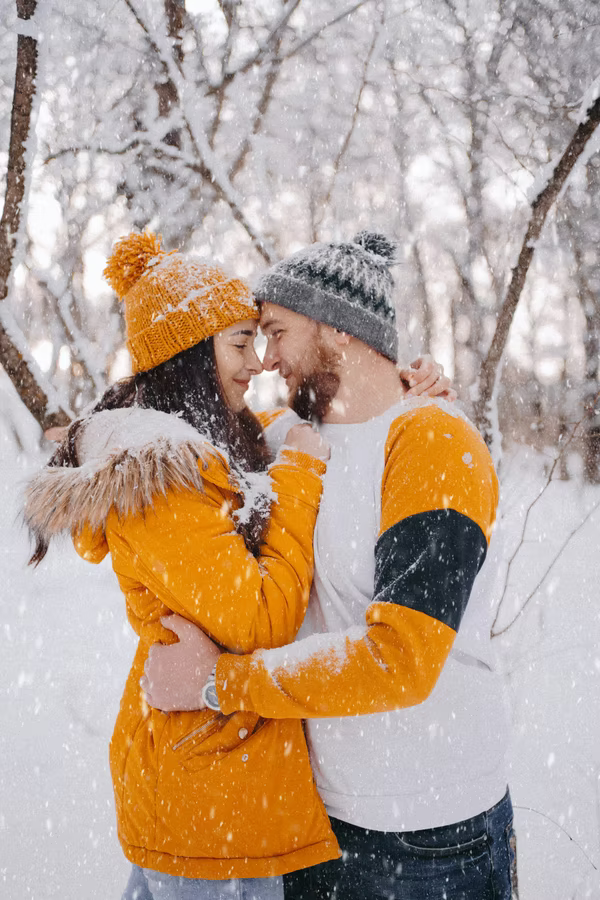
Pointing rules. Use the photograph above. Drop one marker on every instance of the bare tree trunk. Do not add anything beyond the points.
(584, 276)
(26, 71)
(11, 358)
(426, 318)
(591, 436)
(165, 89)
(539, 211)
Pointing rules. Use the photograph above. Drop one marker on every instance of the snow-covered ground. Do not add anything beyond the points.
(551, 659)
(66, 647)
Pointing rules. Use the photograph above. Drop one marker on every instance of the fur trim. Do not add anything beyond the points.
(127, 478)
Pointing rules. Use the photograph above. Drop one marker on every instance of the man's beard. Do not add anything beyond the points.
(312, 397)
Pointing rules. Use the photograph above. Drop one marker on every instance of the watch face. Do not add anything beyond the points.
(210, 697)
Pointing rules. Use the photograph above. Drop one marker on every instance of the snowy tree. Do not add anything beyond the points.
(244, 131)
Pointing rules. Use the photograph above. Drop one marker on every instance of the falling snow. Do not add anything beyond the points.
(435, 123)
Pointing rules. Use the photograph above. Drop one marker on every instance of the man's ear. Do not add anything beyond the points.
(335, 337)
(342, 338)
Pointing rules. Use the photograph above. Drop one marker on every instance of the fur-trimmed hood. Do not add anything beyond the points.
(127, 458)
(186, 557)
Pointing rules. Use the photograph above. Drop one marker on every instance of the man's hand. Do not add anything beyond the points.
(425, 377)
(306, 439)
(57, 434)
(175, 674)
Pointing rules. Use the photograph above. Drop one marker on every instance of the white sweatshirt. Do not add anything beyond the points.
(421, 767)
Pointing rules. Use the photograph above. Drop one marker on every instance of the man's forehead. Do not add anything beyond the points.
(271, 314)
(268, 313)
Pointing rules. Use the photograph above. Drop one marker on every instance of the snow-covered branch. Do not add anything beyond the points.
(539, 211)
(556, 558)
(264, 50)
(297, 48)
(352, 125)
(210, 165)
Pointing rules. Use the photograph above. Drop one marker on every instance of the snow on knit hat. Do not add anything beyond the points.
(347, 285)
(171, 301)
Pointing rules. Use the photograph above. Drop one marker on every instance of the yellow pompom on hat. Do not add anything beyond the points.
(171, 301)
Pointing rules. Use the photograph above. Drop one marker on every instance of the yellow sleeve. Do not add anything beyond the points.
(439, 496)
(90, 544)
(266, 417)
(186, 551)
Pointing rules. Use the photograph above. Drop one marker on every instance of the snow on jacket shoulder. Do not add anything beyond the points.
(199, 794)
(439, 495)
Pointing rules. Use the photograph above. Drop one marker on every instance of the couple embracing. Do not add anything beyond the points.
(321, 718)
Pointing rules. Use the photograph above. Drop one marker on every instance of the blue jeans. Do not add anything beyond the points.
(470, 860)
(145, 884)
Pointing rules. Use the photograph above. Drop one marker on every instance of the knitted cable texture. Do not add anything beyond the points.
(171, 302)
(347, 285)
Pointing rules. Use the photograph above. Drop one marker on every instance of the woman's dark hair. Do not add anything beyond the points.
(187, 384)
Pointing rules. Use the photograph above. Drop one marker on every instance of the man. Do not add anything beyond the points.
(404, 714)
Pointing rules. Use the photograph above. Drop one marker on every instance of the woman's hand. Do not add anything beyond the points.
(174, 674)
(305, 439)
(57, 434)
(425, 377)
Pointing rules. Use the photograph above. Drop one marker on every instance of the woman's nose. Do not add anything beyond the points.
(254, 364)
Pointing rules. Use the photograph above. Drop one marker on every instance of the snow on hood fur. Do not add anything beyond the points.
(127, 457)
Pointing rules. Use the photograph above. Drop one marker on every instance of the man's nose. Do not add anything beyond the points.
(271, 358)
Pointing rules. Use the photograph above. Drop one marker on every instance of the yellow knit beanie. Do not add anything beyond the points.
(171, 302)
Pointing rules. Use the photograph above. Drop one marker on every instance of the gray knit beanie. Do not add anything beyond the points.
(348, 286)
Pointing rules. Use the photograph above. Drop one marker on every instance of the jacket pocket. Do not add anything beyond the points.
(189, 741)
(216, 740)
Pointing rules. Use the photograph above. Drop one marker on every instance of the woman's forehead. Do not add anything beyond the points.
(248, 327)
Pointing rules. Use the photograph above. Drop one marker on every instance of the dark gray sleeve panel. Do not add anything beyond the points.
(428, 562)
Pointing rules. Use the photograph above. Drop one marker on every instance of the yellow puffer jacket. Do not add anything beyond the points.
(198, 794)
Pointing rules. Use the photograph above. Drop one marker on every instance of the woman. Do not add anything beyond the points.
(168, 474)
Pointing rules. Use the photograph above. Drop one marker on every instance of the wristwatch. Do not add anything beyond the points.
(209, 695)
